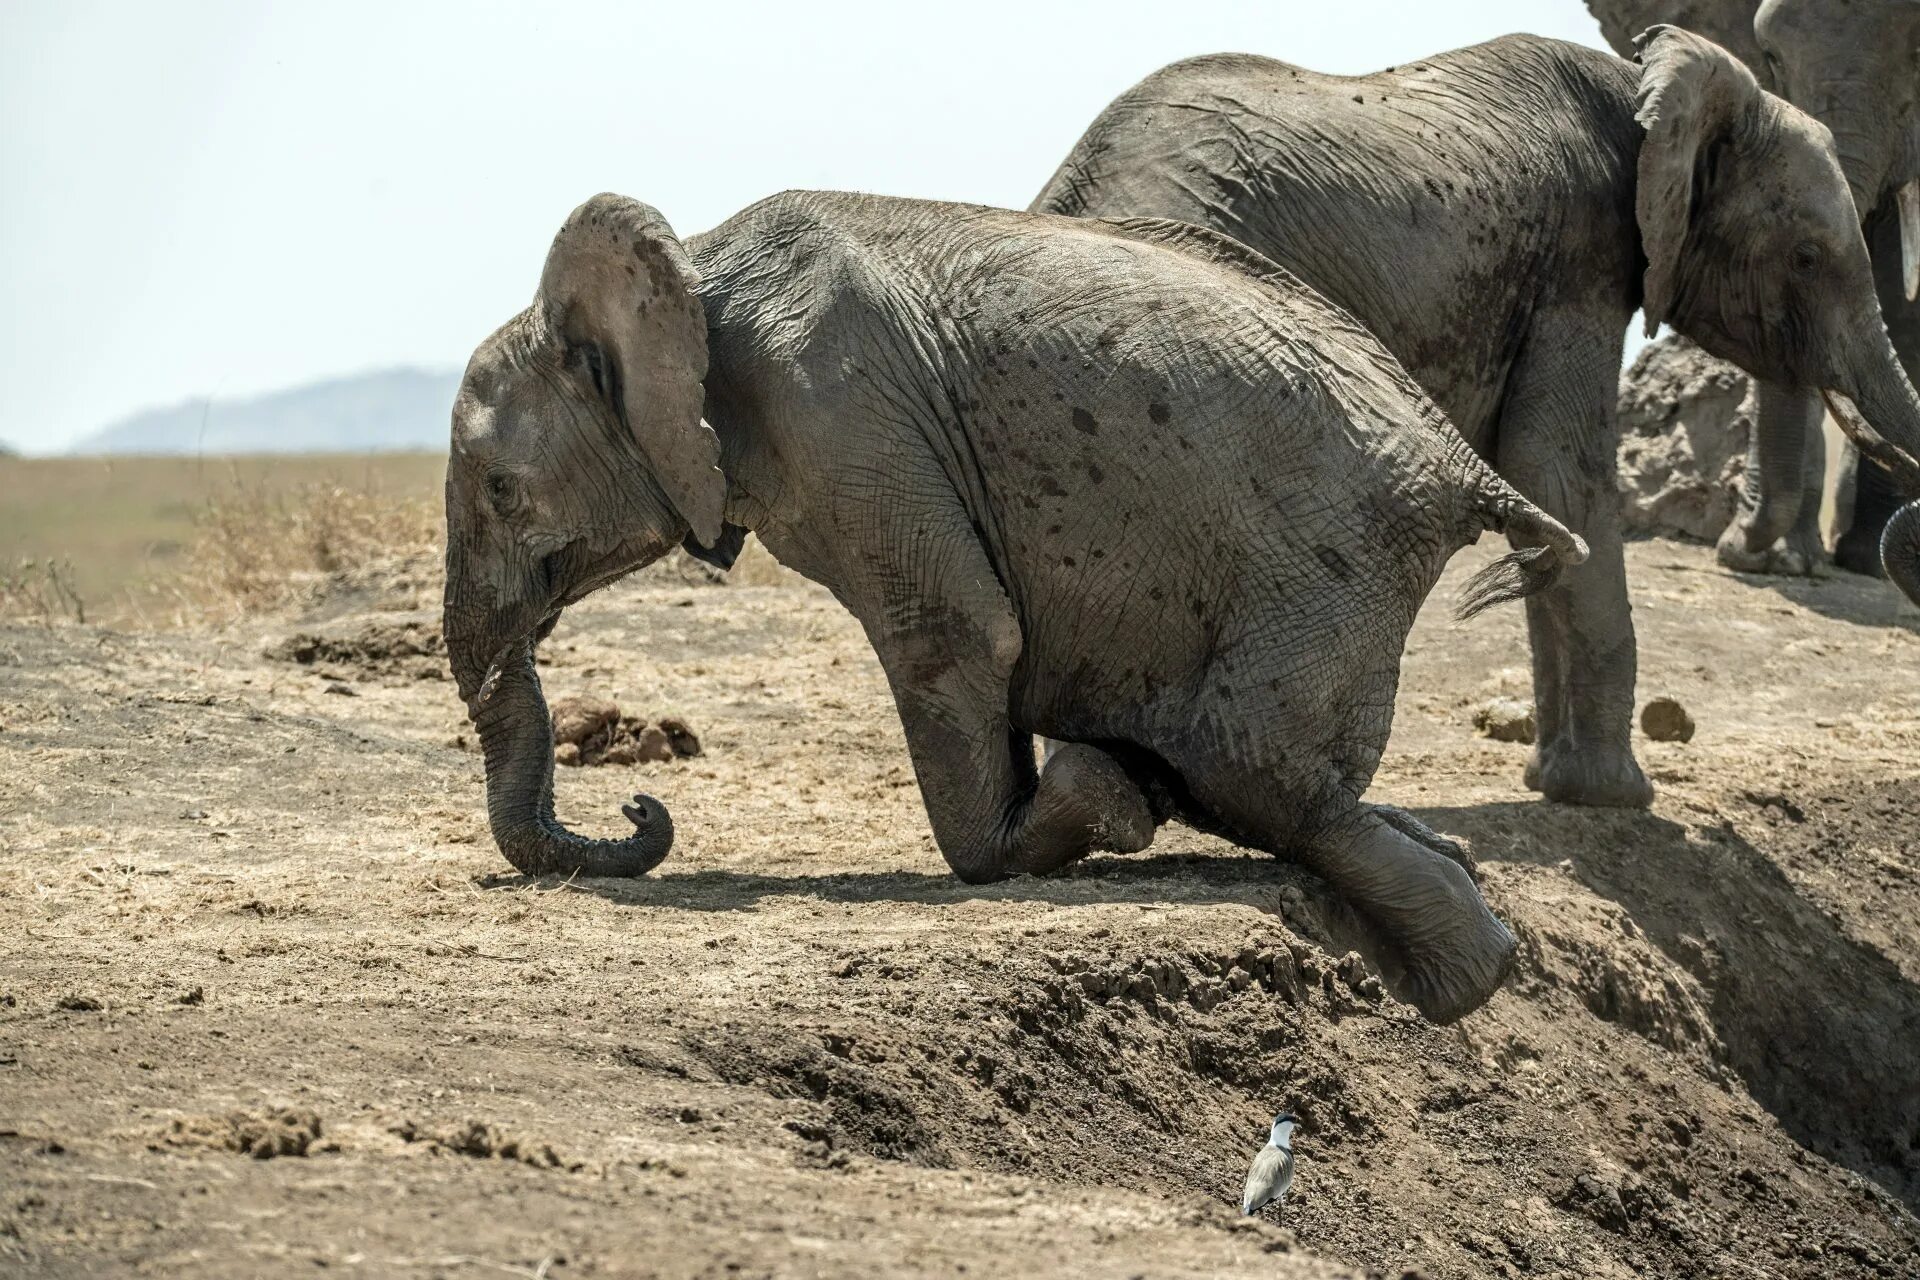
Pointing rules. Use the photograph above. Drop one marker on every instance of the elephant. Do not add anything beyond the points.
(1495, 215)
(1854, 65)
(1123, 483)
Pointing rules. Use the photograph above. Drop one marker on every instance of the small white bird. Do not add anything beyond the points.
(1272, 1171)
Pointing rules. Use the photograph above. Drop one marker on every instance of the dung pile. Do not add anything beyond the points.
(591, 731)
(391, 648)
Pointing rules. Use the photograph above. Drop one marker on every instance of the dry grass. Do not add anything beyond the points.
(259, 551)
(168, 542)
(40, 591)
(154, 541)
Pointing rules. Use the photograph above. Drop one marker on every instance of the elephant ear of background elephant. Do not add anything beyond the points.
(618, 284)
(1691, 94)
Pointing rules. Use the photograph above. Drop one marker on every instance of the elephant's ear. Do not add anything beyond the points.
(618, 284)
(1692, 94)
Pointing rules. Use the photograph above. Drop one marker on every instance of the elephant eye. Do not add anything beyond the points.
(502, 491)
(1809, 256)
(594, 360)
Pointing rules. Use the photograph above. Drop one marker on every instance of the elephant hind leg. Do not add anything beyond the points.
(1413, 887)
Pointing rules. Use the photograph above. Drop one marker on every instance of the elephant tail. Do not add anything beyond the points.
(1546, 548)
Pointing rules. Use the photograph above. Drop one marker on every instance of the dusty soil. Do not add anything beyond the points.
(271, 1004)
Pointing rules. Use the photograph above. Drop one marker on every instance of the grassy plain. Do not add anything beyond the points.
(127, 534)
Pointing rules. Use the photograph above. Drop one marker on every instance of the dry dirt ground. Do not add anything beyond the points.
(271, 1003)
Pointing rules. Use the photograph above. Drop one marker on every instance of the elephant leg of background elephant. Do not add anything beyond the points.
(1556, 446)
(1777, 528)
(1424, 904)
(948, 642)
(1875, 497)
(1804, 544)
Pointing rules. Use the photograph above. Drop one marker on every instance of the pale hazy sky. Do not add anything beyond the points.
(223, 198)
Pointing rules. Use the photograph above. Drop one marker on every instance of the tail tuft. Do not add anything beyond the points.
(1512, 577)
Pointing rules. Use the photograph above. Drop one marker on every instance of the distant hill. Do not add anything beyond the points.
(365, 412)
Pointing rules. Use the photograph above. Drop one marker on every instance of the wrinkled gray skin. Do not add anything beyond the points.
(1123, 484)
(1495, 214)
(1854, 65)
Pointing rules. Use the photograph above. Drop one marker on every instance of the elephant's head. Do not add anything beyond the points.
(578, 455)
(1754, 247)
(1854, 65)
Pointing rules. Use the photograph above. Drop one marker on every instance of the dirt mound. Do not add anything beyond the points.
(386, 649)
(592, 731)
(279, 1132)
(1685, 418)
(481, 1141)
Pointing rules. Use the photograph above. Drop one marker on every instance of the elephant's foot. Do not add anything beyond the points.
(1607, 779)
(1453, 952)
(1795, 556)
(1858, 551)
(1086, 799)
(1408, 825)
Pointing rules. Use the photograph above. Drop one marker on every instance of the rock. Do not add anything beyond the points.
(1505, 719)
(344, 690)
(1595, 1196)
(1685, 418)
(1665, 720)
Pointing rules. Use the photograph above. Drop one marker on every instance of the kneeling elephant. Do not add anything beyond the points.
(1124, 484)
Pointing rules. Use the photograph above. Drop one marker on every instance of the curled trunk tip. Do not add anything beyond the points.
(1900, 550)
(516, 735)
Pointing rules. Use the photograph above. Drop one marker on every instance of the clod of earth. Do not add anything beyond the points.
(1505, 719)
(591, 731)
(1665, 720)
(284, 1131)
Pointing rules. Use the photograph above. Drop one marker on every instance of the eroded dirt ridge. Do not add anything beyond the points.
(267, 925)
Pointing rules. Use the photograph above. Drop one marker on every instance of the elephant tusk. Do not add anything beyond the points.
(1903, 465)
(1910, 237)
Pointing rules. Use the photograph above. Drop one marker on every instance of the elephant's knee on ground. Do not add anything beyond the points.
(977, 870)
(1086, 799)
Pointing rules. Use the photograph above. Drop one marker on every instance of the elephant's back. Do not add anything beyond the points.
(1169, 438)
(1435, 200)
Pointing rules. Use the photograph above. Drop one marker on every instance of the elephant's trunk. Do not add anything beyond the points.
(1776, 461)
(516, 735)
(1900, 550)
(1881, 415)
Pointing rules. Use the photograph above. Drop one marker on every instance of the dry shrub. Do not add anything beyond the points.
(40, 591)
(256, 552)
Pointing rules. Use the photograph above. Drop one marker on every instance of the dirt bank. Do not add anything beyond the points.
(269, 998)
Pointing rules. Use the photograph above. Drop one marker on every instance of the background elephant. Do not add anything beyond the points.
(1854, 65)
(1495, 215)
(1123, 484)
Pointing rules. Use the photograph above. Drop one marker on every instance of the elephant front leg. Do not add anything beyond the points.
(993, 818)
(1412, 887)
(948, 641)
(1584, 662)
(1777, 528)
(1557, 443)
